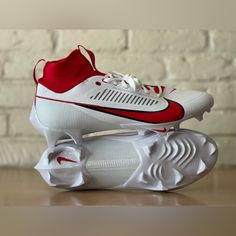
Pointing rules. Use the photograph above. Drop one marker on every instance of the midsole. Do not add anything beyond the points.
(54, 116)
(112, 164)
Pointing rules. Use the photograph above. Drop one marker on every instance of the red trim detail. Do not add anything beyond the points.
(173, 112)
(162, 88)
(57, 100)
(60, 159)
(156, 89)
(34, 70)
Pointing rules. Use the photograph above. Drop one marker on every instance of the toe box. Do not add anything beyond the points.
(193, 102)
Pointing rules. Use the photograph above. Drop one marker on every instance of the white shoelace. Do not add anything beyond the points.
(127, 80)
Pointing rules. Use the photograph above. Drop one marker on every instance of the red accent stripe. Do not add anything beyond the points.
(60, 159)
(56, 100)
(164, 130)
(172, 113)
(156, 89)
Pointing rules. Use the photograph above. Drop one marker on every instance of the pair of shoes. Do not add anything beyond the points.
(73, 99)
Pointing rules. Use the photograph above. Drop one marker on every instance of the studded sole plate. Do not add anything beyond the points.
(151, 162)
(174, 161)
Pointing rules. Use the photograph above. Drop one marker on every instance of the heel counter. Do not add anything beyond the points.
(34, 120)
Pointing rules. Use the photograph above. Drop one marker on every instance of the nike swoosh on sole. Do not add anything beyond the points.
(60, 159)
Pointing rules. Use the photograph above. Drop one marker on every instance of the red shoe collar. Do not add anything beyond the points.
(64, 74)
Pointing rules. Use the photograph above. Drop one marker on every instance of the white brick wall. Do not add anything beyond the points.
(167, 41)
(99, 40)
(203, 60)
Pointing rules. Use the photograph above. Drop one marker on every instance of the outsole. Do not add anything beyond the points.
(162, 163)
(174, 161)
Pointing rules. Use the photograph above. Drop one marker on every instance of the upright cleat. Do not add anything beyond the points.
(74, 98)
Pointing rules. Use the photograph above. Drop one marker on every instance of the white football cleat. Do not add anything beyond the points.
(73, 98)
(146, 162)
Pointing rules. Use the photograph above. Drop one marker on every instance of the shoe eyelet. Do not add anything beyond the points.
(98, 83)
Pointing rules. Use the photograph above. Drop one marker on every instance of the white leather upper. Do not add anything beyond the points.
(88, 92)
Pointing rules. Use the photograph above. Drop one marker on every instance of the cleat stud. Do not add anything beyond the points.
(178, 176)
(143, 178)
(201, 167)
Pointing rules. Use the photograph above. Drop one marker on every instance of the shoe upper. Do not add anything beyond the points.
(76, 80)
(62, 75)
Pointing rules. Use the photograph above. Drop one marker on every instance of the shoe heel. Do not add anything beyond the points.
(52, 136)
(63, 166)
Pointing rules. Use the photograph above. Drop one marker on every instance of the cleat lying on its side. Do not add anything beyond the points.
(150, 162)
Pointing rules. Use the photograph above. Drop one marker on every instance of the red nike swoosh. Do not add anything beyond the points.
(173, 112)
(60, 159)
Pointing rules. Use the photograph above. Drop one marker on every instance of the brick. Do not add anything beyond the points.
(34, 40)
(3, 124)
(100, 40)
(32, 45)
(165, 40)
(25, 40)
(16, 152)
(146, 68)
(226, 147)
(178, 68)
(20, 64)
(19, 124)
(215, 123)
(224, 94)
(194, 85)
(208, 67)
(8, 39)
(204, 67)
(223, 41)
(16, 95)
(1, 65)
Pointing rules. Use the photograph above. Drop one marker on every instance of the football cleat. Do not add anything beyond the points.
(74, 98)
